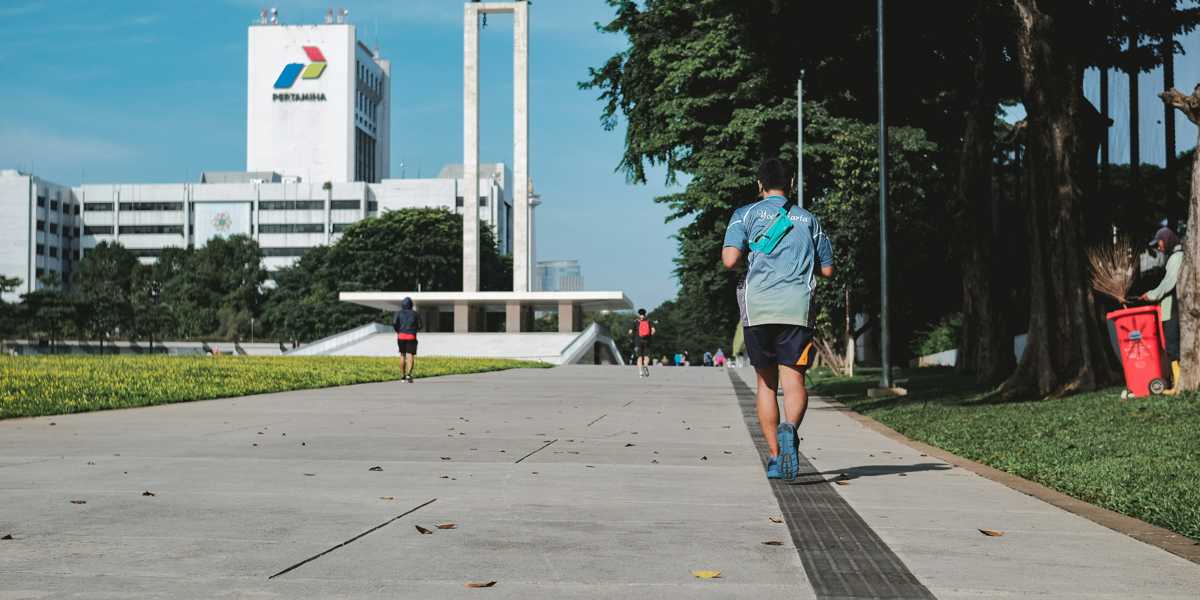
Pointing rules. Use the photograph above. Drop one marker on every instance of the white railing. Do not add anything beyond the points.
(337, 341)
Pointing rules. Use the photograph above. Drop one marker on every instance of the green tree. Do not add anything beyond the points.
(102, 282)
(1054, 43)
(707, 89)
(152, 319)
(224, 286)
(47, 313)
(8, 311)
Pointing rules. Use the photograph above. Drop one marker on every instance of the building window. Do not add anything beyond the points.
(458, 202)
(483, 201)
(291, 228)
(364, 157)
(54, 205)
(75, 208)
(97, 229)
(41, 201)
(53, 252)
(41, 225)
(284, 251)
(372, 206)
(346, 205)
(150, 230)
(54, 228)
(291, 205)
(98, 206)
(341, 227)
(41, 250)
(146, 206)
(40, 272)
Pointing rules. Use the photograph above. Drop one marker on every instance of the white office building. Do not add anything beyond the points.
(318, 148)
(39, 230)
(318, 103)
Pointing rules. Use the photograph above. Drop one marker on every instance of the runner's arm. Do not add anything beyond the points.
(824, 250)
(736, 241)
(730, 256)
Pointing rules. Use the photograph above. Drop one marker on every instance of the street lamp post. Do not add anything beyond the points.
(884, 341)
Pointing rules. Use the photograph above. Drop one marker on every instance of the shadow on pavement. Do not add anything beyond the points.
(834, 475)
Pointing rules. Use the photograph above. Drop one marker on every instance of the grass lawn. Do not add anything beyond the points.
(1139, 457)
(51, 385)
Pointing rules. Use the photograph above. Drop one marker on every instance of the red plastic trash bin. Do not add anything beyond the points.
(1141, 344)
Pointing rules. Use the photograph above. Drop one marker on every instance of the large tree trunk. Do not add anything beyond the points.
(1064, 352)
(1186, 305)
(982, 349)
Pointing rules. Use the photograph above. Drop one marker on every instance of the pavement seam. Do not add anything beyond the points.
(355, 538)
(546, 445)
(835, 538)
(1153, 535)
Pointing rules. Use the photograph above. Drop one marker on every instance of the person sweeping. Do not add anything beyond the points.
(1166, 242)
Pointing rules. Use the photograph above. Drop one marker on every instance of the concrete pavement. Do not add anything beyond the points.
(623, 487)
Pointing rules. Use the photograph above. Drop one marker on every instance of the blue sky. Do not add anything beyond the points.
(122, 91)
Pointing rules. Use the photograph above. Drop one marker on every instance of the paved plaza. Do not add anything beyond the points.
(574, 482)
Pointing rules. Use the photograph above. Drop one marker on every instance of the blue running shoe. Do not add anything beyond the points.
(773, 469)
(789, 462)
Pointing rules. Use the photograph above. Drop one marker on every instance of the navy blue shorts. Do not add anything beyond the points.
(771, 345)
(407, 346)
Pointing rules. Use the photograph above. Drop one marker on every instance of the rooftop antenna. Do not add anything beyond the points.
(274, 16)
(329, 16)
(342, 14)
(262, 17)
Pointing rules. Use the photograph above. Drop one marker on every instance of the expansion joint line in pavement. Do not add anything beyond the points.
(842, 556)
(597, 419)
(544, 446)
(353, 539)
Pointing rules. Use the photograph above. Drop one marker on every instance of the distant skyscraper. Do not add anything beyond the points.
(559, 276)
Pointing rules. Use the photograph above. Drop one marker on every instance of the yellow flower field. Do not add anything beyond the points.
(49, 385)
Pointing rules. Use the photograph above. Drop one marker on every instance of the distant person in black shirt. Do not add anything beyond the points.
(643, 332)
(406, 324)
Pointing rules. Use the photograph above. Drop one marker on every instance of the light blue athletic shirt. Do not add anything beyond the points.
(778, 286)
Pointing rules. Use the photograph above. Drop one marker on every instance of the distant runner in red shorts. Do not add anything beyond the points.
(406, 324)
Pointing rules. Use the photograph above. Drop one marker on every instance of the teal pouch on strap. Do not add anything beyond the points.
(767, 241)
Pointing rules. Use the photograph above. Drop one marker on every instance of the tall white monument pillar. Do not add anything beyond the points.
(470, 191)
(522, 232)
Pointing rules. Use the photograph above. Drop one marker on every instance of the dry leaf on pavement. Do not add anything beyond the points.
(376, 468)
(447, 526)
(148, 493)
(422, 530)
(7, 536)
(387, 497)
(841, 482)
(79, 502)
(707, 574)
(991, 532)
(775, 519)
(485, 584)
(773, 543)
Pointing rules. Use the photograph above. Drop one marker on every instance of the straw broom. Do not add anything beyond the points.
(1112, 269)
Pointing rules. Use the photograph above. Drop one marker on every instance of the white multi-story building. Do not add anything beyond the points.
(317, 153)
(318, 103)
(39, 230)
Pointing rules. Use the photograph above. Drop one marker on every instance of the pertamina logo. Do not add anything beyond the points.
(292, 71)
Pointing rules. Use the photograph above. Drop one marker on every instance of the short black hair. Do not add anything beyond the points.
(641, 312)
(773, 174)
